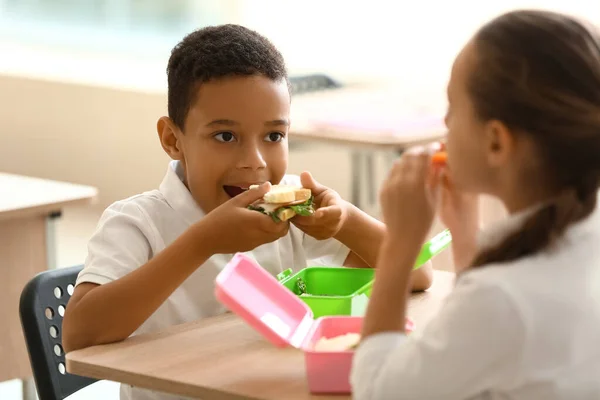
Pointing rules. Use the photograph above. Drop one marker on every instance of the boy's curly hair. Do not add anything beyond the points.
(217, 52)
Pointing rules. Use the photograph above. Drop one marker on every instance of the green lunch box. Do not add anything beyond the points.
(345, 291)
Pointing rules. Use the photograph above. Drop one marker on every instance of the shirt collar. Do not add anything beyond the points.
(493, 234)
(178, 195)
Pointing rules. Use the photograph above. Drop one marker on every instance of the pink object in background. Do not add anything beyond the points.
(282, 318)
(383, 125)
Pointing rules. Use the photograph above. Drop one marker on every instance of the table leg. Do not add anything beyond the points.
(51, 239)
(356, 168)
(370, 172)
(29, 391)
(390, 158)
(22, 256)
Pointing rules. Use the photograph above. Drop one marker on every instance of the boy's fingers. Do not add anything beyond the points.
(265, 222)
(252, 195)
(303, 221)
(321, 215)
(309, 182)
(275, 227)
(314, 219)
(330, 212)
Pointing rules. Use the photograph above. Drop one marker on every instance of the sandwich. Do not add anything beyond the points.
(283, 202)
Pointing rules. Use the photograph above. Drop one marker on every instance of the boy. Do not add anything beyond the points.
(154, 257)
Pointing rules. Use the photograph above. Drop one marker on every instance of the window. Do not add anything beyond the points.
(132, 27)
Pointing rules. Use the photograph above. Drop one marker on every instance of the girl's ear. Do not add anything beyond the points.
(499, 143)
(169, 135)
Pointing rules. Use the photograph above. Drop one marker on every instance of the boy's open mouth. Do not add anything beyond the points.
(233, 191)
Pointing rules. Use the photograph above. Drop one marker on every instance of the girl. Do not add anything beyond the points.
(523, 321)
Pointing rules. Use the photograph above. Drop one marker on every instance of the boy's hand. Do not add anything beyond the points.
(234, 228)
(331, 211)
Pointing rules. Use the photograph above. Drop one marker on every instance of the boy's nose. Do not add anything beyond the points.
(251, 158)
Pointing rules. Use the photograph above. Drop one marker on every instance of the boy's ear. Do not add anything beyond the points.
(169, 135)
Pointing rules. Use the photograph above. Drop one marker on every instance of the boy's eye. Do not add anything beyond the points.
(225, 137)
(274, 137)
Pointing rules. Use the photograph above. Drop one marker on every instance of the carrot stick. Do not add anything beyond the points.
(440, 158)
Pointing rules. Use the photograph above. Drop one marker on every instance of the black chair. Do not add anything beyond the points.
(302, 84)
(42, 307)
(312, 83)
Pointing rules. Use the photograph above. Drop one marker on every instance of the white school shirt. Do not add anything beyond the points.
(522, 330)
(132, 231)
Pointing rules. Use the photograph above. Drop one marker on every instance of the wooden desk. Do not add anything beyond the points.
(367, 120)
(220, 358)
(374, 117)
(26, 248)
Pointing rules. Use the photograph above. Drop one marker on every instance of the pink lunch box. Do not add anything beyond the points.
(282, 318)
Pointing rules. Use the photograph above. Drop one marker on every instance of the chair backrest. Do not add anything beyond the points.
(312, 83)
(42, 307)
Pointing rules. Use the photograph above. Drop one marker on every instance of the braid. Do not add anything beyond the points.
(542, 229)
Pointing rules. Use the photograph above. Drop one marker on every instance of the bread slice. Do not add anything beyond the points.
(284, 202)
(285, 213)
(282, 194)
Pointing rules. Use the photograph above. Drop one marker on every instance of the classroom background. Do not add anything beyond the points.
(82, 83)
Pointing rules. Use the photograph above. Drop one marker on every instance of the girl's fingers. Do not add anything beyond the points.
(446, 181)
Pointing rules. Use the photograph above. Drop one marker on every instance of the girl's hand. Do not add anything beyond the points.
(407, 205)
(459, 211)
(331, 211)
